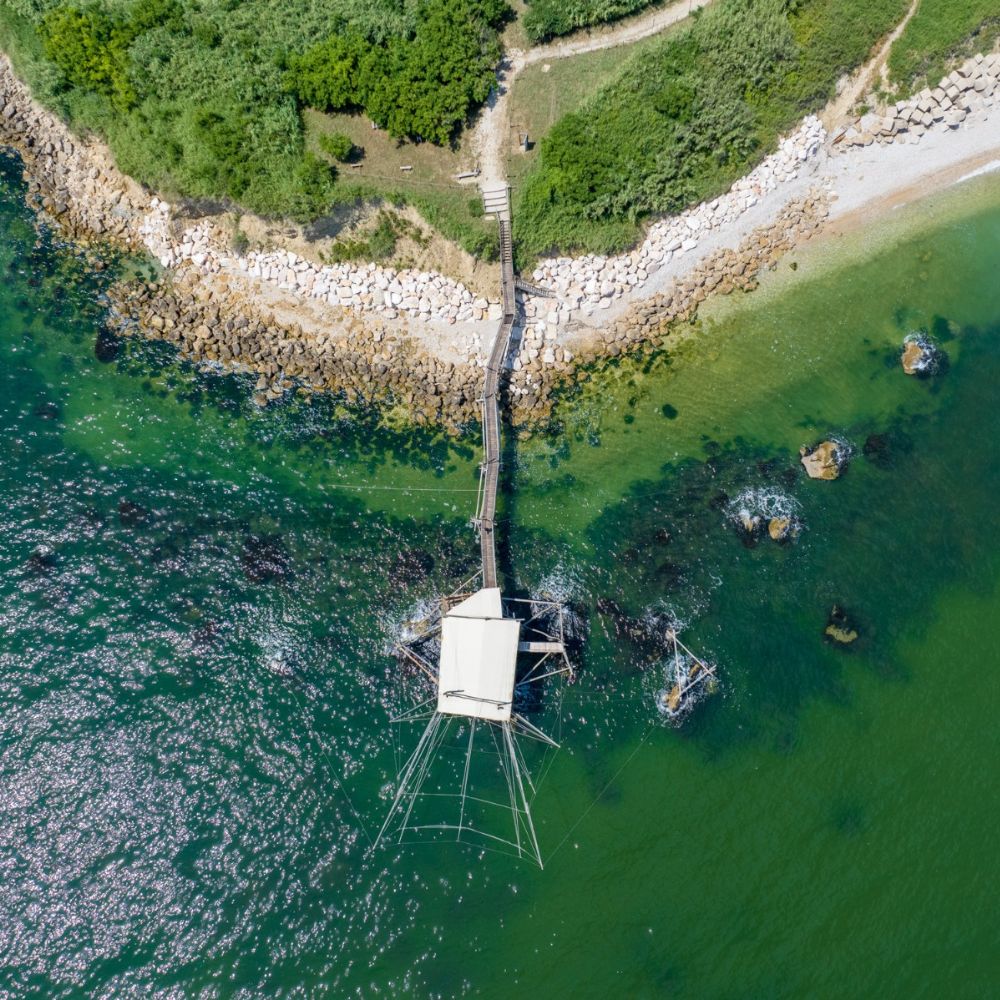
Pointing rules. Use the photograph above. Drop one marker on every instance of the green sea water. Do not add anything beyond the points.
(198, 601)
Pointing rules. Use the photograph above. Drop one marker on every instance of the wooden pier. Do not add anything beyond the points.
(495, 201)
(488, 648)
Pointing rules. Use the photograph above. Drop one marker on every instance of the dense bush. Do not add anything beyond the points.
(688, 116)
(548, 18)
(422, 86)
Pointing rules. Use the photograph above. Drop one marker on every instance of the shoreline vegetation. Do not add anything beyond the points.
(416, 340)
(215, 101)
(293, 342)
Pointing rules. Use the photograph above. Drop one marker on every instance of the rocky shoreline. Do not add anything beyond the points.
(970, 89)
(420, 339)
(382, 366)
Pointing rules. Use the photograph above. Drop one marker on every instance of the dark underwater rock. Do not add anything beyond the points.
(412, 566)
(264, 559)
(131, 515)
(884, 450)
(107, 346)
(648, 634)
(876, 447)
(720, 501)
(205, 635)
(48, 411)
(41, 562)
(751, 528)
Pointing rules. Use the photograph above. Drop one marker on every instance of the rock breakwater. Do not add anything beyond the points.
(380, 364)
(421, 338)
(366, 363)
(971, 89)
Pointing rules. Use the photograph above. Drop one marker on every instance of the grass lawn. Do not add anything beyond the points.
(453, 209)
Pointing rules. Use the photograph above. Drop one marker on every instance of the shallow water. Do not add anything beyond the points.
(199, 596)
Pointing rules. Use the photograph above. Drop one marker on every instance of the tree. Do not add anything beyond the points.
(425, 86)
(91, 50)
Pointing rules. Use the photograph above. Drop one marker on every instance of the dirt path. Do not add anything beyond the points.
(492, 135)
(862, 79)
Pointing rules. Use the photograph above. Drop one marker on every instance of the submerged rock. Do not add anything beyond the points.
(107, 346)
(205, 635)
(921, 356)
(826, 460)
(751, 528)
(839, 627)
(647, 634)
(876, 447)
(264, 559)
(131, 515)
(48, 411)
(42, 561)
(885, 449)
(411, 566)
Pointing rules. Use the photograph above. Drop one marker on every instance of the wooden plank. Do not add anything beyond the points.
(539, 647)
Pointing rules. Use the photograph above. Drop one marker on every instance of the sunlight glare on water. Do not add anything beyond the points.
(196, 679)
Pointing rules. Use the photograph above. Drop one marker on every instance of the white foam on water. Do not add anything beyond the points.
(987, 168)
(765, 502)
(561, 584)
(400, 627)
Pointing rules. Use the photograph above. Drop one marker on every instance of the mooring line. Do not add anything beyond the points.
(401, 489)
(600, 794)
(335, 772)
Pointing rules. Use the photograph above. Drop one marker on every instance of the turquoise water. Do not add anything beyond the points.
(198, 600)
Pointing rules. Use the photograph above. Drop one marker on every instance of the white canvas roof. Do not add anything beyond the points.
(478, 658)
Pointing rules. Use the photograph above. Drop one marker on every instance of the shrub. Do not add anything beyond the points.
(91, 50)
(338, 145)
(686, 117)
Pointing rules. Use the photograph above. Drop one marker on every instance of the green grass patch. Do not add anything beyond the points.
(940, 33)
(686, 117)
(428, 185)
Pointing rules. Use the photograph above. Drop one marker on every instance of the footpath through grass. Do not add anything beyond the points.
(545, 92)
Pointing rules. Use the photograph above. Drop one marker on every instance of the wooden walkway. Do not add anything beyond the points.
(490, 469)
